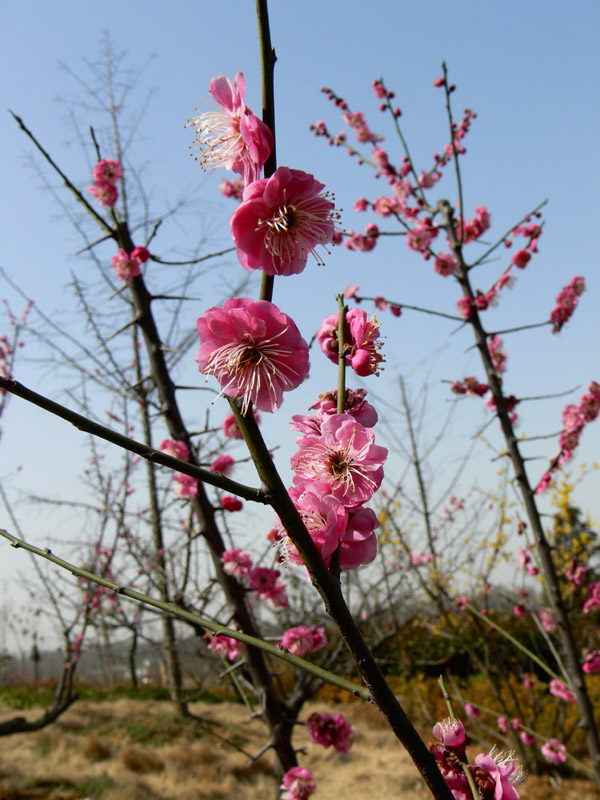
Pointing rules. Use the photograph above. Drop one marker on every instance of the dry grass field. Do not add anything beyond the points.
(137, 750)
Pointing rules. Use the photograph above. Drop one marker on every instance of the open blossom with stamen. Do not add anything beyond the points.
(344, 456)
(505, 770)
(232, 137)
(254, 350)
(280, 222)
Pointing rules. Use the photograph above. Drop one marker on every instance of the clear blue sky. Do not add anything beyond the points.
(530, 71)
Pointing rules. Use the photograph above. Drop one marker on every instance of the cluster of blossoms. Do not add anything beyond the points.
(350, 292)
(263, 581)
(106, 173)
(338, 468)
(330, 730)
(566, 302)
(495, 774)
(574, 419)
(304, 639)
(127, 265)
(184, 485)
(361, 341)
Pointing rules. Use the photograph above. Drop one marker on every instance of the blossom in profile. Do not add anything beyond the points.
(280, 222)
(330, 730)
(554, 751)
(344, 457)
(297, 784)
(451, 733)
(232, 137)
(361, 341)
(254, 350)
(230, 427)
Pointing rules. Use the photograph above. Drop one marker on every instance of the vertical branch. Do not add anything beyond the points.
(267, 67)
(557, 602)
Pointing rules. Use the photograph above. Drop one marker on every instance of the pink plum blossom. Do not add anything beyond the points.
(230, 427)
(254, 350)
(224, 646)
(344, 457)
(126, 267)
(297, 784)
(355, 405)
(333, 527)
(591, 663)
(593, 601)
(140, 254)
(472, 711)
(304, 639)
(547, 619)
(558, 689)
(107, 170)
(105, 193)
(328, 729)
(554, 751)
(185, 485)
(521, 258)
(175, 448)
(505, 770)
(445, 264)
(451, 732)
(236, 562)
(232, 137)
(280, 222)
(230, 503)
(223, 464)
(265, 584)
(361, 341)
(502, 724)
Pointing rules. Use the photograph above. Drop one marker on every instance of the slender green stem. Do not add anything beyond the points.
(210, 624)
(341, 398)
